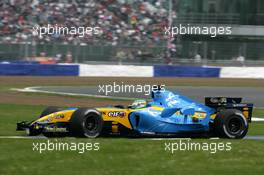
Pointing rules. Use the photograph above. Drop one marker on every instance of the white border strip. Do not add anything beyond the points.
(242, 72)
(86, 70)
(257, 119)
(33, 89)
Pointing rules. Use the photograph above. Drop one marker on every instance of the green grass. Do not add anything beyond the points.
(122, 155)
(127, 156)
(257, 128)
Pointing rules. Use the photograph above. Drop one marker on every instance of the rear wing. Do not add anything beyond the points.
(230, 103)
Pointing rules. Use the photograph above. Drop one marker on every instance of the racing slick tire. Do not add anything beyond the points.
(86, 123)
(47, 111)
(33, 132)
(230, 123)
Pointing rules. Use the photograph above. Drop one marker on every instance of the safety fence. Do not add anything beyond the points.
(208, 50)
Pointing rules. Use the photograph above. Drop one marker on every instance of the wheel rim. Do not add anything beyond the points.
(91, 124)
(235, 125)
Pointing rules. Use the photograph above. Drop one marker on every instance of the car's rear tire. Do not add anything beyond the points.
(86, 123)
(230, 123)
(47, 111)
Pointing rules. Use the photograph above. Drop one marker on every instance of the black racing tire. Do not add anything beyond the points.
(47, 111)
(86, 123)
(230, 123)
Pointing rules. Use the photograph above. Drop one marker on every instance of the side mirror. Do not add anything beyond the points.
(152, 94)
(188, 111)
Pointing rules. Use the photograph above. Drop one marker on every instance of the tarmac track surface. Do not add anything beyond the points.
(253, 95)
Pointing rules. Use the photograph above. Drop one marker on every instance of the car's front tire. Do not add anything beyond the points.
(230, 123)
(86, 123)
(47, 111)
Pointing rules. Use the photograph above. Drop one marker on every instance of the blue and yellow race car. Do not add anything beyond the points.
(168, 114)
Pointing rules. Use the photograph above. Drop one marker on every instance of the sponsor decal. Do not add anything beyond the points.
(116, 114)
(55, 129)
(59, 116)
(239, 105)
(171, 100)
(200, 115)
(218, 100)
(47, 120)
(214, 100)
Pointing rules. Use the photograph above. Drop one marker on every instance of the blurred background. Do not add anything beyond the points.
(133, 32)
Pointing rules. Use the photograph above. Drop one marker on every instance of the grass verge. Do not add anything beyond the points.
(122, 155)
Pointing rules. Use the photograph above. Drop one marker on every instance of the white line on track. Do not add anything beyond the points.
(34, 89)
(257, 119)
(164, 138)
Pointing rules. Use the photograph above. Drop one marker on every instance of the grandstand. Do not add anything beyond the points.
(133, 31)
(246, 19)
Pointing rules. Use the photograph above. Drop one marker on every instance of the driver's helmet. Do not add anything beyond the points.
(139, 104)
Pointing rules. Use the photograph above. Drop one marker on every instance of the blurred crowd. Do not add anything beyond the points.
(132, 22)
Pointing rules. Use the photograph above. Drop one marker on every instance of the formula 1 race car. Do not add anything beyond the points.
(168, 114)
